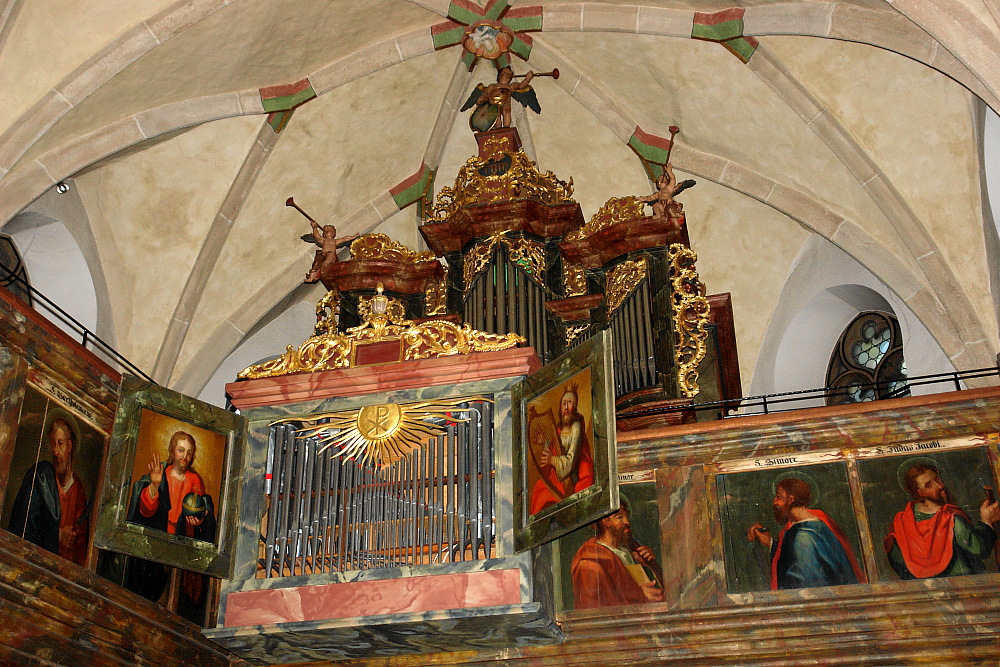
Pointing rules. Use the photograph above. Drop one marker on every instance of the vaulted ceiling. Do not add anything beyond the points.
(853, 125)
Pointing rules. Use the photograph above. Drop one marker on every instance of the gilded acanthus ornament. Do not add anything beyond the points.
(691, 316)
(383, 433)
(574, 280)
(380, 246)
(477, 184)
(383, 321)
(476, 259)
(573, 332)
(528, 255)
(622, 281)
(616, 209)
(326, 313)
(441, 338)
(435, 298)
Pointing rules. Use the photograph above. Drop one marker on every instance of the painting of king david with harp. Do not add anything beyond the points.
(560, 443)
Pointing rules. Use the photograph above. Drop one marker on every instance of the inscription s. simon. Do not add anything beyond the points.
(764, 463)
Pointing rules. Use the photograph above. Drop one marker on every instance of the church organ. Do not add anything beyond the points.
(388, 448)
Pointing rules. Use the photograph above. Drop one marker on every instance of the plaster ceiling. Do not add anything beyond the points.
(852, 121)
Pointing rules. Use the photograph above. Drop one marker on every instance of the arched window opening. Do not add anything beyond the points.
(11, 261)
(867, 363)
(58, 269)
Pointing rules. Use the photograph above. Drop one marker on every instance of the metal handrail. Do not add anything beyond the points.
(87, 336)
(767, 401)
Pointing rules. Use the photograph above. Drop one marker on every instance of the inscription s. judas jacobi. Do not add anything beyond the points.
(927, 445)
(788, 459)
(902, 449)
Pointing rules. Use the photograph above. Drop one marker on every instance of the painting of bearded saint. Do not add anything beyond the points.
(54, 470)
(789, 528)
(560, 443)
(811, 548)
(932, 536)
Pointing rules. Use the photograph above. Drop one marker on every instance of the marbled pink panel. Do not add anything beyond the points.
(388, 377)
(370, 598)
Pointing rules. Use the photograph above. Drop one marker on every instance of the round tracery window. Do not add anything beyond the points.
(867, 363)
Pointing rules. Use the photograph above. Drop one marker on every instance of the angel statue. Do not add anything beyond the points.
(662, 201)
(328, 241)
(492, 102)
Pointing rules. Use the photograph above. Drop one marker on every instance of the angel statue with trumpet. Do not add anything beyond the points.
(326, 238)
(492, 102)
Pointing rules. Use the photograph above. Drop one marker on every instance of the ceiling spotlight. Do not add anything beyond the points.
(62, 187)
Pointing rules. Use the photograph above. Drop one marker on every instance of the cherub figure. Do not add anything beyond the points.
(662, 201)
(328, 242)
(492, 102)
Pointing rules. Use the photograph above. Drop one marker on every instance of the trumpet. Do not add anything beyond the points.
(291, 202)
(554, 74)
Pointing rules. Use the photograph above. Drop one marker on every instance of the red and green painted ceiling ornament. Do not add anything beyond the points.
(492, 32)
(726, 28)
(281, 101)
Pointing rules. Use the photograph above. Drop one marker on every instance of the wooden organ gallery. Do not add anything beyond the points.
(521, 437)
(383, 510)
(383, 443)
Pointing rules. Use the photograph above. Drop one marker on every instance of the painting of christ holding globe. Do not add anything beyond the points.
(176, 477)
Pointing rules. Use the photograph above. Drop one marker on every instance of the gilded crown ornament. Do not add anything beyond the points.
(383, 322)
(477, 183)
(380, 246)
(615, 210)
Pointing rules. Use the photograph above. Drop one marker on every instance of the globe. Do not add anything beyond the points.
(194, 505)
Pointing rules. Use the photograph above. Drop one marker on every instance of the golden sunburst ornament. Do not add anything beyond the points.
(383, 433)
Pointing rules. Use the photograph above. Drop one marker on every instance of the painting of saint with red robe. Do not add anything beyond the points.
(564, 456)
(560, 443)
(54, 471)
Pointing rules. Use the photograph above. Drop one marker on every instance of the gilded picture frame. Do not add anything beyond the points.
(565, 460)
(165, 445)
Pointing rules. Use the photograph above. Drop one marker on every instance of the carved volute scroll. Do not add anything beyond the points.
(691, 316)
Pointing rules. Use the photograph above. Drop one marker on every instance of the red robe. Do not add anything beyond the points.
(72, 505)
(542, 495)
(600, 578)
(178, 489)
(927, 546)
